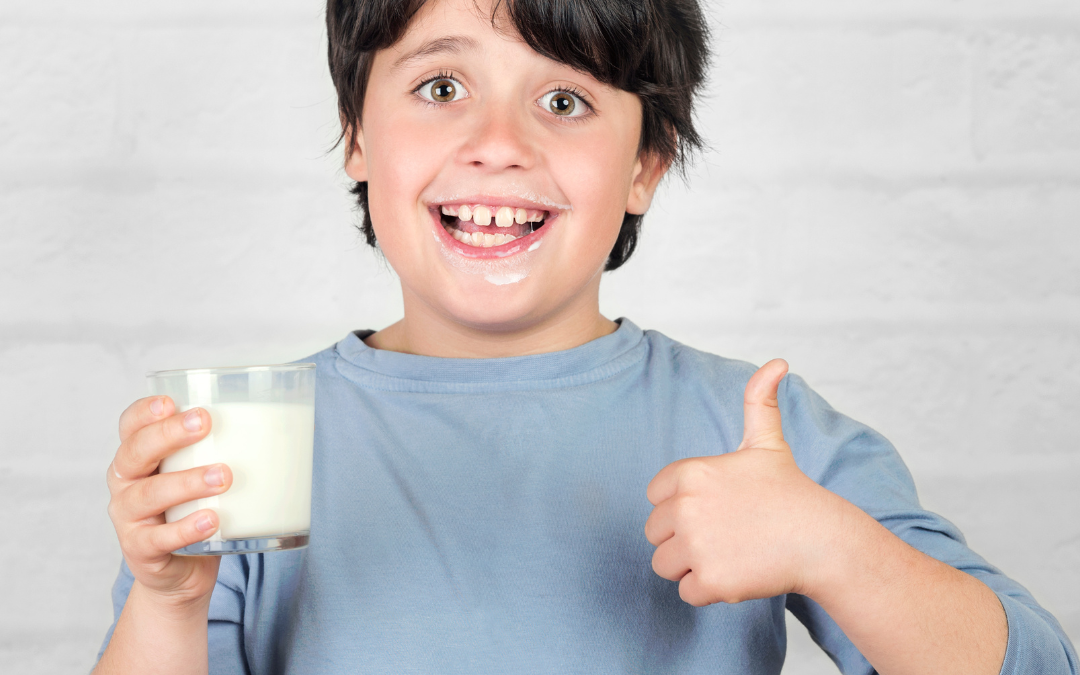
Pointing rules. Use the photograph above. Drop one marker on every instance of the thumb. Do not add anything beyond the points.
(761, 410)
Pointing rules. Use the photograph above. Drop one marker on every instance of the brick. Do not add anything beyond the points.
(63, 402)
(60, 89)
(1027, 93)
(835, 95)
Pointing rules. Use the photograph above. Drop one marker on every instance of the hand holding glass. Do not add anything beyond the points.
(262, 427)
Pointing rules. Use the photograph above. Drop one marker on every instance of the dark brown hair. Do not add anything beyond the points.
(657, 49)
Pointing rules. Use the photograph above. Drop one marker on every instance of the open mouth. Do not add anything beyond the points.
(483, 226)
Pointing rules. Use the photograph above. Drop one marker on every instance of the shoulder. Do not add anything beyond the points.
(696, 368)
(727, 378)
(327, 357)
(327, 360)
(823, 439)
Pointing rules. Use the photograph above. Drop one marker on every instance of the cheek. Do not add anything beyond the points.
(596, 173)
(403, 157)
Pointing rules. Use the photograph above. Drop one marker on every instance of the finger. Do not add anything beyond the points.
(670, 560)
(155, 541)
(141, 453)
(665, 484)
(761, 409)
(661, 523)
(692, 591)
(143, 412)
(152, 495)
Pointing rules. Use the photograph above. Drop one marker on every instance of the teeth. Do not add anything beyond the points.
(504, 217)
(449, 210)
(535, 216)
(481, 216)
(465, 213)
(480, 239)
(521, 216)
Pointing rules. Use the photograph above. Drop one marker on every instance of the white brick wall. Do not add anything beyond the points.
(891, 203)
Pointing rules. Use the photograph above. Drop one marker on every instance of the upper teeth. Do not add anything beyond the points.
(504, 216)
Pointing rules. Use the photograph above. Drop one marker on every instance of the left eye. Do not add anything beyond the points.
(563, 104)
(442, 90)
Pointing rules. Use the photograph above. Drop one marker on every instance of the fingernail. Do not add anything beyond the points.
(192, 421)
(203, 524)
(214, 476)
(157, 406)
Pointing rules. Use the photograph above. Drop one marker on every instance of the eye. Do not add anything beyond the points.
(563, 104)
(442, 90)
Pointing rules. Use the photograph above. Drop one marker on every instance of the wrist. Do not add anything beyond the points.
(846, 543)
(170, 607)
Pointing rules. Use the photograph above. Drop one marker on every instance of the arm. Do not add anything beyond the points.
(152, 636)
(905, 611)
(163, 625)
(783, 533)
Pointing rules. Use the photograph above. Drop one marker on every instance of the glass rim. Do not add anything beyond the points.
(226, 370)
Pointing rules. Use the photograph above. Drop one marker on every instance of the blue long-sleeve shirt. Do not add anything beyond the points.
(487, 515)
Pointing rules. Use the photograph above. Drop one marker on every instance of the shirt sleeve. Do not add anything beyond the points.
(225, 630)
(857, 463)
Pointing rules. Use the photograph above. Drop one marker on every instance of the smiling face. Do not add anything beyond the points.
(497, 178)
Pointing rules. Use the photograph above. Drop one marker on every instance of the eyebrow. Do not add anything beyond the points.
(453, 44)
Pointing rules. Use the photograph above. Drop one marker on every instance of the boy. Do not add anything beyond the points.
(483, 465)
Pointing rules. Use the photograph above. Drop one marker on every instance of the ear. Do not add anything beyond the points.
(649, 168)
(355, 154)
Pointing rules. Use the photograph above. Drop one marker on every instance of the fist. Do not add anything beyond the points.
(743, 525)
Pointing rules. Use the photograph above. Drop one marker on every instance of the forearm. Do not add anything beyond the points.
(157, 640)
(905, 611)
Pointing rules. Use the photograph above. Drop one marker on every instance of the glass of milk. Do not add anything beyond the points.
(263, 425)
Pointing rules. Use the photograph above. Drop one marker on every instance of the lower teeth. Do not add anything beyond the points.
(480, 239)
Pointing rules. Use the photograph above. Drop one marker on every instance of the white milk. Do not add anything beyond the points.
(268, 447)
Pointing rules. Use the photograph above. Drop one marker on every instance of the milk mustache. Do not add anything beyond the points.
(268, 447)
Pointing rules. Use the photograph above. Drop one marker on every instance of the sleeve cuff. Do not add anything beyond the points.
(1037, 644)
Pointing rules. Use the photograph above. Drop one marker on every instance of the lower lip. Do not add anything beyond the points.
(500, 251)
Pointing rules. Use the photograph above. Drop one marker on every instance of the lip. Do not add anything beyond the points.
(503, 250)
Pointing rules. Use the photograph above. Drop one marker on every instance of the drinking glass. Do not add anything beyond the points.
(262, 427)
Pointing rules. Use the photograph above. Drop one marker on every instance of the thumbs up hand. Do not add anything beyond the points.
(744, 525)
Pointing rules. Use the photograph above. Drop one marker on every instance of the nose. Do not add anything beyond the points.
(498, 140)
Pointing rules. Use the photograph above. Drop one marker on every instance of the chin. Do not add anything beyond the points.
(479, 304)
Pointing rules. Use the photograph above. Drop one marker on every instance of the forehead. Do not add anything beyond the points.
(453, 26)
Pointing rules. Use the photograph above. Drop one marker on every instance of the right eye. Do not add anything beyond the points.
(442, 90)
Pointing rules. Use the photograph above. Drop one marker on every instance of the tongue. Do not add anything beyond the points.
(515, 229)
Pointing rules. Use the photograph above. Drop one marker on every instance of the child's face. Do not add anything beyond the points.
(466, 133)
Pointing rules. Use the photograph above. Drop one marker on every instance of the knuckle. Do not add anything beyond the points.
(132, 543)
(134, 448)
(152, 541)
(168, 431)
(691, 472)
(113, 510)
(683, 508)
(152, 493)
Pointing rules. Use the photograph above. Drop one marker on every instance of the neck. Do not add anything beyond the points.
(429, 333)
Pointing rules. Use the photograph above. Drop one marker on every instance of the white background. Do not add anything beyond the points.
(891, 202)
